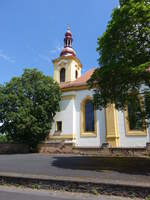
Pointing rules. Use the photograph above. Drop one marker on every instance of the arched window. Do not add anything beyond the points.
(134, 115)
(134, 120)
(76, 74)
(62, 75)
(89, 116)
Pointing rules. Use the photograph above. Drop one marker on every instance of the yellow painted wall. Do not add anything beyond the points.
(70, 64)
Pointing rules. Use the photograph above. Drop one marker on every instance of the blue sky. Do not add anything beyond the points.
(32, 32)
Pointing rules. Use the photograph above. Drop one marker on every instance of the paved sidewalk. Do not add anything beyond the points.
(78, 168)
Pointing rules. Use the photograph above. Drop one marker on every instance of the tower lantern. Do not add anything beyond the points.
(68, 50)
(68, 38)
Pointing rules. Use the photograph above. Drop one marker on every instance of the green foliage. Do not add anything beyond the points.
(28, 105)
(3, 138)
(148, 197)
(124, 56)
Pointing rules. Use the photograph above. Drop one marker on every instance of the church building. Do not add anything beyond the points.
(78, 122)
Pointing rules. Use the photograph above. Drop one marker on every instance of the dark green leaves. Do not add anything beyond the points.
(28, 105)
(124, 55)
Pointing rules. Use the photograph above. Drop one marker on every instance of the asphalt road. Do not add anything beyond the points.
(12, 193)
(68, 166)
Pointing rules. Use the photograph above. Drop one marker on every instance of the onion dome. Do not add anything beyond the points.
(68, 50)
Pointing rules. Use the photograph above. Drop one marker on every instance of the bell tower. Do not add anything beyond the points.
(67, 66)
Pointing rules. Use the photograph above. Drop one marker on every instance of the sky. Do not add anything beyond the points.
(32, 32)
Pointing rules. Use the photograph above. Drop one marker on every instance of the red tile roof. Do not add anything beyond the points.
(81, 81)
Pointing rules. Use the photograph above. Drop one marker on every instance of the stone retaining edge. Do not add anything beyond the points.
(77, 186)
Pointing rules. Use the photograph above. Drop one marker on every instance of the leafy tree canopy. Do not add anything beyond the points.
(124, 56)
(28, 105)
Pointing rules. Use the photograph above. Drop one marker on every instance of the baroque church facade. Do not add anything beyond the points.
(78, 121)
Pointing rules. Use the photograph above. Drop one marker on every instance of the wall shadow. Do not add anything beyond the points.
(129, 165)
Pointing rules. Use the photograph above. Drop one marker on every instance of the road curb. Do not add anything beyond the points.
(55, 183)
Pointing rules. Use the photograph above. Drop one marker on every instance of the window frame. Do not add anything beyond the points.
(76, 74)
(63, 68)
(57, 126)
(84, 133)
(130, 132)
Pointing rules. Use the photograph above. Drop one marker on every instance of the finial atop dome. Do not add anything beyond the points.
(68, 50)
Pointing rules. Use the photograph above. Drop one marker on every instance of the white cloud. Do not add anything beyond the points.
(50, 54)
(5, 57)
(57, 49)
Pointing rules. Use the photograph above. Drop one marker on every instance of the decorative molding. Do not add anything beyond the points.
(66, 97)
(82, 119)
(88, 134)
(62, 62)
(75, 88)
(111, 126)
(61, 137)
(67, 58)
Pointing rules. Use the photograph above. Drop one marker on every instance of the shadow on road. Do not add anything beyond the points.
(122, 165)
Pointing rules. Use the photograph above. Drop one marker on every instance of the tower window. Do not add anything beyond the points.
(76, 74)
(62, 75)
